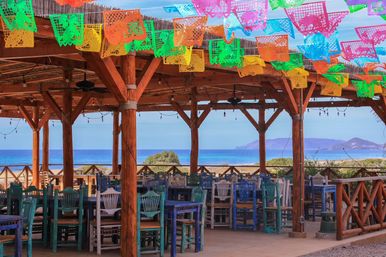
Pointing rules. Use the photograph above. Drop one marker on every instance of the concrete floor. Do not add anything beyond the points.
(228, 243)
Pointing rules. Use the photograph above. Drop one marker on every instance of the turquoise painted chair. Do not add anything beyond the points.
(28, 213)
(14, 199)
(67, 218)
(272, 209)
(187, 225)
(150, 223)
(40, 224)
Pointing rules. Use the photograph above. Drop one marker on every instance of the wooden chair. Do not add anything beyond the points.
(3, 201)
(40, 223)
(193, 180)
(28, 213)
(177, 180)
(106, 225)
(244, 205)
(150, 223)
(67, 218)
(186, 225)
(14, 199)
(206, 181)
(221, 204)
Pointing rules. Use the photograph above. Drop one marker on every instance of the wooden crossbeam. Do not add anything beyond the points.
(291, 99)
(147, 76)
(205, 114)
(273, 117)
(108, 73)
(45, 118)
(181, 112)
(250, 118)
(309, 95)
(27, 117)
(80, 106)
(54, 106)
(379, 111)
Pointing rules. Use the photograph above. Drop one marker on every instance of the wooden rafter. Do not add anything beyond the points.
(28, 117)
(205, 114)
(309, 95)
(273, 117)
(147, 76)
(291, 99)
(46, 116)
(80, 106)
(53, 105)
(181, 112)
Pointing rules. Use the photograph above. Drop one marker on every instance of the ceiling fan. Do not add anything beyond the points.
(84, 86)
(234, 100)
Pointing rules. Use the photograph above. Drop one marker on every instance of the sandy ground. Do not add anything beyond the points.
(373, 250)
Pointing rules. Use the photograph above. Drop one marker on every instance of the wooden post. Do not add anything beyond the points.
(116, 132)
(298, 166)
(194, 133)
(46, 146)
(262, 130)
(68, 162)
(339, 211)
(35, 148)
(129, 162)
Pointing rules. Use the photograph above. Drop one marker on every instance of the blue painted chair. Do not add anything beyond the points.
(244, 205)
(193, 180)
(40, 224)
(102, 182)
(67, 218)
(206, 181)
(158, 186)
(150, 223)
(28, 213)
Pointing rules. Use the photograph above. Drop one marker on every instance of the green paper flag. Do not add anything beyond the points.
(364, 89)
(164, 44)
(146, 44)
(18, 15)
(68, 28)
(227, 55)
(336, 68)
(285, 3)
(296, 61)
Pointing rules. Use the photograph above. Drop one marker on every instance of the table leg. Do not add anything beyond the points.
(19, 243)
(323, 200)
(174, 233)
(197, 232)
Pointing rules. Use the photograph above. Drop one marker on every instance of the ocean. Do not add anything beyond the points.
(206, 157)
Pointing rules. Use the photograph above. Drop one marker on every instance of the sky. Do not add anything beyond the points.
(217, 131)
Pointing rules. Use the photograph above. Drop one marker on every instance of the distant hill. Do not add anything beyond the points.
(316, 144)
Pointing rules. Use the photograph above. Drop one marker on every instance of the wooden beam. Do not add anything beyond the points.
(35, 148)
(147, 76)
(309, 95)
(250, 118)
(194, 148)
(53, 105)
(28, 118)
(262, 130)
(292, 103)
(129, 164)
(204, 114)
(181, 112)
(105, 69)
(46, 150)
(273, 117)
(44, 119)
(80, 106)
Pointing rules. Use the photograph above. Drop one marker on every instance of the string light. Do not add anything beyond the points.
(5, 134)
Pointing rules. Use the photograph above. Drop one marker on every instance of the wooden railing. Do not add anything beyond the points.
(360, 205)
(23, 173)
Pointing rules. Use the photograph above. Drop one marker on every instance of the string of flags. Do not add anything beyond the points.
(125, 31)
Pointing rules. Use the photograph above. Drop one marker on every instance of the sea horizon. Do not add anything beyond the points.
(206, 156)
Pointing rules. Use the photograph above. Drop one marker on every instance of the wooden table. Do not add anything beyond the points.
(174, 208)
(13, 222)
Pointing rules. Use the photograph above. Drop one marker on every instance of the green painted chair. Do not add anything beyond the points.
(272, 208)
(28, 212)
(14, 199)
(150, 223)
(187, 225)
(67, 218)
(40, 224)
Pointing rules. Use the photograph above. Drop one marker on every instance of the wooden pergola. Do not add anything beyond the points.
(38, 84)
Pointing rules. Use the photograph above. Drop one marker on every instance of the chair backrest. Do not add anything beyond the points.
(69, 200)
(28, 214)
(222, 190)
(284, 191)
(3, 198)
(177, 180)
(15, 198)
(199, 196)
(232, 177)
(319, 179)
(244, 191)
(107, 201)
(150, 204)
(206, 180)
(193, 179)
(271, 194)
(102, 181)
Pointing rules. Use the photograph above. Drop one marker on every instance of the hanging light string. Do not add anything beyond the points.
(101, 117)
(13, 130)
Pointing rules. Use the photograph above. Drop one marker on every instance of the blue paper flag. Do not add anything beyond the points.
(184, 10)
(317, 47)
(279, 26)
(232, 24)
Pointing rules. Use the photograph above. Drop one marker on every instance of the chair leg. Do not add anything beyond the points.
(54, 234)
(212, 218)
(183, 238)
(138, 243)
(162, 242)
(99, 240)
(80, 237)
(29, 247)
(1, 250)
(91, 246)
